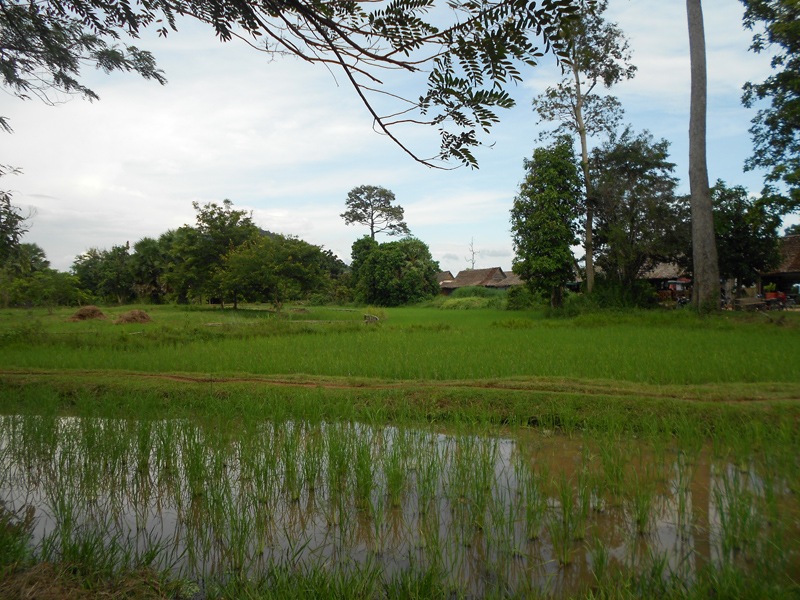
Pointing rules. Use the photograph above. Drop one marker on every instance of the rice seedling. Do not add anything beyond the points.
(613, 457)
(394, 467)
(640, 499)
(600, 560)
(365, 469)
(535, 500)
(560, 539)
(463, 511)
(740, 522)
(291, 462)
(337, 444)
(429, 465)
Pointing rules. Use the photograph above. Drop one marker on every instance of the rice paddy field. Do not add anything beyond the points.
(432, 454)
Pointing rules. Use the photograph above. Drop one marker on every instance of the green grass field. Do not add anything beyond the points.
(437, 453)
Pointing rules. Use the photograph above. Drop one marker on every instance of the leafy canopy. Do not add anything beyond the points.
(747, 234)
(394, 273)
(468, 53)
(598, 54)
(12, 227)
(776, 128)
(640, 219)
(373, 206)
(544, 219)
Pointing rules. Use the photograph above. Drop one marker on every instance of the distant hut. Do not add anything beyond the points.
(444, 276)
(494, 278)
(788, 272)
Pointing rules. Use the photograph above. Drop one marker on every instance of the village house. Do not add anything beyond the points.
(494, 278)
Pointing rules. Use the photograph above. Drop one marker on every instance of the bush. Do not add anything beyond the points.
(464, 303)
(609, 293)
(520, 297)
(477, 291)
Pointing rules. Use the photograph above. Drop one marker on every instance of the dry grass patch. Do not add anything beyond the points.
(46, 581)
(133, 316)
(86, 313)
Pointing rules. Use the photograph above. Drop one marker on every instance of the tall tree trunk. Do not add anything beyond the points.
(705, 295)
(588, 248)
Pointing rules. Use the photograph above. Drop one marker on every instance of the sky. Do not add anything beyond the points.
(288, 141)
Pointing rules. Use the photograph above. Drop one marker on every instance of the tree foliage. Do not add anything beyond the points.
(468, 56)
(273, 269)
(197, 252)
(746, 233)
(148, 265)
(598, 54)
(43, 46)
(776, 128)
(395, 273)
(373, 206)
(544, 219)
(639, 216)
(12, 227)
(105, 274)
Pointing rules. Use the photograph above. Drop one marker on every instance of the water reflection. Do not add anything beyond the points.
(520, 511)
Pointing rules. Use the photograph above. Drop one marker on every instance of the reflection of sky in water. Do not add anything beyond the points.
(217, 503)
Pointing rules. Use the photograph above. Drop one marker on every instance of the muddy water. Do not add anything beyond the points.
(510, 511)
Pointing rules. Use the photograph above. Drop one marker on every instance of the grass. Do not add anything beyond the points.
(416, 344)
(438, 453)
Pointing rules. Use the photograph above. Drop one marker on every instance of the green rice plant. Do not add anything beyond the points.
(430, 537)
(535, 500)
(16, 533)
(640, 498)
(291, 461)
(600, 559)
(740, 520)
(337, 445)
(560, 539)
(313, 448)
(566, 499)
(483, 452)
(613, 458)
(584, 503)
(377, 511)
(394, 468)
(690, 435)
(365, 471)
(460, 467)
(503, 514)
(429, 466)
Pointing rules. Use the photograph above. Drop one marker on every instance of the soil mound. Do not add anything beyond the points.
(134, 316)
(86, 313)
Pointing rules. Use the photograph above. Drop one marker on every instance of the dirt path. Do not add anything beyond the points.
(729, 393)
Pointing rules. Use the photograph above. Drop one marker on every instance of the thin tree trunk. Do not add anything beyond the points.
(557, 297)
(705, 295)
(587, 245)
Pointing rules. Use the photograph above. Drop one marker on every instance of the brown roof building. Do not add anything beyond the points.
(491, 278)
(788, 271)
(443, 276)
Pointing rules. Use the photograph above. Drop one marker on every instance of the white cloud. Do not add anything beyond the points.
(287, 141)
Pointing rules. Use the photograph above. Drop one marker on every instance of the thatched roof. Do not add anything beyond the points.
(443, 276)
(494, 277)
(790, 255)
(662, 271)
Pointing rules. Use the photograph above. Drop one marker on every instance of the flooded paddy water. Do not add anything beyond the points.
(488, 511)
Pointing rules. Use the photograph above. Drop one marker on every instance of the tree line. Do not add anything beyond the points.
(225, 258)
(619, 198)
(639, 219)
